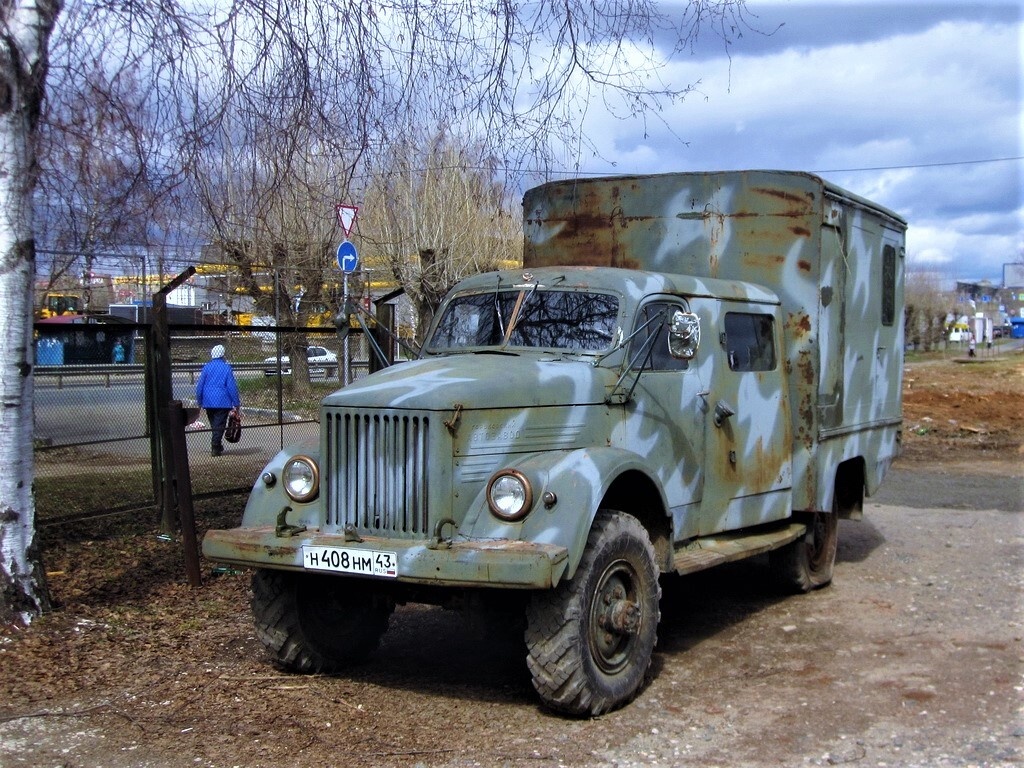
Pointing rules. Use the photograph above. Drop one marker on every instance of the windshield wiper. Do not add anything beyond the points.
(517, 312)
(497, 307)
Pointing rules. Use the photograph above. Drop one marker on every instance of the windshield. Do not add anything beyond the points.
(578, 321)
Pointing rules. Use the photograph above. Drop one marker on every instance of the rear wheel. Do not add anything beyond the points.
(590, 640)
(314, 623)
(808, 562)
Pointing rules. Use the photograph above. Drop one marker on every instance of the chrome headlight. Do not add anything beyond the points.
(509, 495)
(301, 477)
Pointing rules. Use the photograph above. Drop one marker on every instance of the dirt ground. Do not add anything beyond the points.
(913, 657)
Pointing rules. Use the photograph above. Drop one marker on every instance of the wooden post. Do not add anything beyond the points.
(179, 417)
(384, 334)
(163, 392)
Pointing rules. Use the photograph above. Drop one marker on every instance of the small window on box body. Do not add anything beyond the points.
(750, 341)
(888, 285)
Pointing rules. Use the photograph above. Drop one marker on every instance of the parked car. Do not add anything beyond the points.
(319, 360)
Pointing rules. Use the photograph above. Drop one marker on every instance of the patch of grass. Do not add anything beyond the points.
(262, 394)
(114, 488)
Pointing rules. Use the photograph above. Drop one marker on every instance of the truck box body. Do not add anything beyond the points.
(835, 260)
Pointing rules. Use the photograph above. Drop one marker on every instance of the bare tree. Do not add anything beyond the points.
(98, 187)
(339, 86)
(277, 86)
(266, 190)
(926, 308)
(26, 28)
(434, 214)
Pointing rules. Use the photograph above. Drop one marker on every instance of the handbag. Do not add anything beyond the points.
(233, 430)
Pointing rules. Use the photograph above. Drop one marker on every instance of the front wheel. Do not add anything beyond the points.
(808, 562)
(315, 623)
(590, 640)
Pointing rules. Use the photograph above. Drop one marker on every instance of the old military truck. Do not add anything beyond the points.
(690, 369)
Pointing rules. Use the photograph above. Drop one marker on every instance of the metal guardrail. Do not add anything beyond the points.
(107, 372)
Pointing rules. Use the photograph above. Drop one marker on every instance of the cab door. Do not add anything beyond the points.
(664, 420)
(747, 440)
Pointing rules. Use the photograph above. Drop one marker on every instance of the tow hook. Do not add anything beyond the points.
(452, 424)
(284, 530)
(439, 542)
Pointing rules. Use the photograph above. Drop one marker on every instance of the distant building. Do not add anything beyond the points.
(1013, 290)
(1013, 277)
(998, 303)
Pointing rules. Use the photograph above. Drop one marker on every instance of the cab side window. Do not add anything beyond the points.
(657, 317)
(750, 341)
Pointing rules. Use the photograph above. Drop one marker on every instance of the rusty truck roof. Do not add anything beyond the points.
(797, 180)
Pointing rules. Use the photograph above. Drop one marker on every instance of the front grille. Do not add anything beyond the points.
(378, 467)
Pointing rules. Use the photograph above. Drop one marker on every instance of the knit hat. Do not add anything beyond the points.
(217, 351)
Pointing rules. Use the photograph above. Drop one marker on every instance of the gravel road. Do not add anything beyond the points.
(912, 658)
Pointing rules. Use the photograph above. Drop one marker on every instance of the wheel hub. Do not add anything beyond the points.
(616, 618)
(619, 615)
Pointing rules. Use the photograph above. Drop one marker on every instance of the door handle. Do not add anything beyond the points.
(722, 412)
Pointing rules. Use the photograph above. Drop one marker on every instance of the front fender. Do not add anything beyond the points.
(266, 501)
(578, 480)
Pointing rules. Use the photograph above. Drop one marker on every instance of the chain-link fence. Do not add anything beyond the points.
(94, 412)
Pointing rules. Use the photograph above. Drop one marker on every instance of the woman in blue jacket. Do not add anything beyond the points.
(217, 392)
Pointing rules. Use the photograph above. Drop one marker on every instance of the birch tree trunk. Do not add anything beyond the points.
(26, 28)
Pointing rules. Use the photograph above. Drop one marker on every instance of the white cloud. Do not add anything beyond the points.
(944, 92)
(965, 255)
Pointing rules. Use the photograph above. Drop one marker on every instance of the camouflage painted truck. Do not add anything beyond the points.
(690, 369)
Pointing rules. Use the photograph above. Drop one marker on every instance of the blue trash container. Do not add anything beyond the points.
(49, 352)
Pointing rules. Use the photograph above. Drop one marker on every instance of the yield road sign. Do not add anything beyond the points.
(347, 217)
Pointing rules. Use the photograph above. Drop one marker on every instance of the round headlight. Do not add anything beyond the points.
(301, 477)
(509, 495)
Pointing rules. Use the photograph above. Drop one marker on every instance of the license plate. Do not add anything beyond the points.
(344, 560)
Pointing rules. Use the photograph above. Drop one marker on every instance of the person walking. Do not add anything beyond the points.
(217, 392)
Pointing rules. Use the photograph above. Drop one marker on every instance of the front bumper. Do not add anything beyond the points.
(479, 563)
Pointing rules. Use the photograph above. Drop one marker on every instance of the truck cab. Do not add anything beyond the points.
(58, 304)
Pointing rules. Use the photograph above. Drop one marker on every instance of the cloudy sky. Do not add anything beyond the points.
(916, 105)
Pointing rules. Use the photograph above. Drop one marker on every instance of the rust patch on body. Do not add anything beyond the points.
(761, 261)
(805, 201)
(799, 324)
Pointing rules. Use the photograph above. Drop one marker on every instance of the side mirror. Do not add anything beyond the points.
(683, 335)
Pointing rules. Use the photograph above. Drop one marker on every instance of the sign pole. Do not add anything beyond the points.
(344, 344)
(348, 262)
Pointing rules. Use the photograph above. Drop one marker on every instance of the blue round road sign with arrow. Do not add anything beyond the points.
(348, 259)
